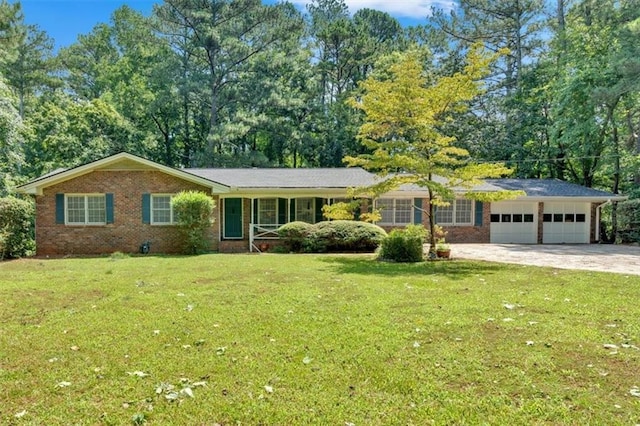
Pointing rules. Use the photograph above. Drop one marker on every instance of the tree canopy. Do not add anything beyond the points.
(241, 83)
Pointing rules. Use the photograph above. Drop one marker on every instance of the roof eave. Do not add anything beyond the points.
(36, 186)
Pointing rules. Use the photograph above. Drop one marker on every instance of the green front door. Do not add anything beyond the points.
(233, 218)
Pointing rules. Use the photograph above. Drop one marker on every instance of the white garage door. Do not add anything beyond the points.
(514, 222)
(566, 223)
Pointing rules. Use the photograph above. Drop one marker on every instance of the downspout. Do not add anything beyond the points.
(598, 214)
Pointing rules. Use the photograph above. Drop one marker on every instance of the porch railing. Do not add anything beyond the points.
(262, 232)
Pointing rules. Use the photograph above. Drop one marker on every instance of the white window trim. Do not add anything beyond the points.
(86, 209)
(312, 209)
(393, 222)
(171, 216)
(260, 200)
(453, 215)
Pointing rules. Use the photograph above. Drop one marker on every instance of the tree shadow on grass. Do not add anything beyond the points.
(455, 269)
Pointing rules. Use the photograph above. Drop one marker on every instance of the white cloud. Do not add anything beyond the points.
(414, 9)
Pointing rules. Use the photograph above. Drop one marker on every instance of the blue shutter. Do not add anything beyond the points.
(146, 208)
(319, 216)
(255, 210)
(60, 209)
(417, 211)
(282, 211)
(479, 208)
(109, 205)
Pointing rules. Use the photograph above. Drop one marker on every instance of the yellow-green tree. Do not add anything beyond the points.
(404, 116)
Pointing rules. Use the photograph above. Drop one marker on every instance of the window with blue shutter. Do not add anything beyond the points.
(146, 208)
(109, 208)
(417, 211)
(478, 213)
(60, 209)
(282, 211)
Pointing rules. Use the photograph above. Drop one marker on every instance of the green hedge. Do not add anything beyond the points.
(194, 213)
(293, 235)
(17, 237)
(332, 236)
(629, 221)
(404, 245)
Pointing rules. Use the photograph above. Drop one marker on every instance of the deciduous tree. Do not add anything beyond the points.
(404, 112)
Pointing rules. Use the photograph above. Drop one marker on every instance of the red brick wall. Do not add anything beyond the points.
(127, 232)
(459, 234)
(471, 234)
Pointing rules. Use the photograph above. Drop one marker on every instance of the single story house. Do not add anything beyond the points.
(119, 202)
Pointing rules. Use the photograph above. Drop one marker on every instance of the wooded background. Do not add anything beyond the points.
(235, 83)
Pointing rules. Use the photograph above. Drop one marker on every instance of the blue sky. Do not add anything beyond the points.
(64, 20)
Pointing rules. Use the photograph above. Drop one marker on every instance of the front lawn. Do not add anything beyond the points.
(306, 339)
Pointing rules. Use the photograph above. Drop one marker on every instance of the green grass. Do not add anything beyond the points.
(303, 339)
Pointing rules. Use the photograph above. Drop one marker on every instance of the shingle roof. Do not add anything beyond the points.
(287, 178)
(548, 188)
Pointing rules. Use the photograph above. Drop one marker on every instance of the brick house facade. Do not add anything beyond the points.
(125, 188)
(127, 232)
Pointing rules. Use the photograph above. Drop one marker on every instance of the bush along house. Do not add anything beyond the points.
(122, 202)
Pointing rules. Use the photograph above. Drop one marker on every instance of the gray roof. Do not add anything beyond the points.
(548, 188)
(287, 178)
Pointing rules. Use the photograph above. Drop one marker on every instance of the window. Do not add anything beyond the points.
(267, 211)
(515, 218)
(86, 209)
(161, 210)
(458, 212)
(464, 212)
(305, 210)
(395, 211)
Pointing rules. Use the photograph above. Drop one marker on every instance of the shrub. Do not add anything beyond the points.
(293, 235)
(193, 211)
(629, 221)
(16, 228)
(344, 235)
(404, 245)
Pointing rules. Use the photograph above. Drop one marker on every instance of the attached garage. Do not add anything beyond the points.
(569, 213)
(514, 222)
(566, 222)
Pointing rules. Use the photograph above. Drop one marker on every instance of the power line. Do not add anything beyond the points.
(531, 160)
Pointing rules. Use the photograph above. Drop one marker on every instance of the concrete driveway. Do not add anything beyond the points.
(622, 259)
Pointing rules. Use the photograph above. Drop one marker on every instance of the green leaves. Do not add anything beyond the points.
(404, 118)
(194, 212)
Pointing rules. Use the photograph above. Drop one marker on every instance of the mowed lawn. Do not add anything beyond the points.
(311, 339)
